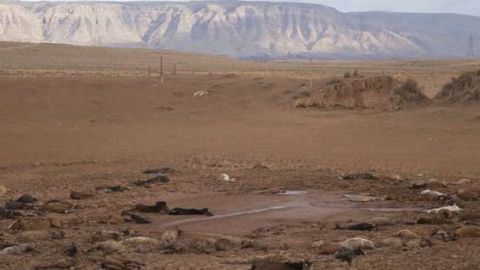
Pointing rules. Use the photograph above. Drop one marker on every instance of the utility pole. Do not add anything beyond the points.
(471, 47)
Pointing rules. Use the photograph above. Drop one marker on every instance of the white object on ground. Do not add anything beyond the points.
(225, 177)
(450, 208)
(292, 192)
(433, 193)
(200, 93)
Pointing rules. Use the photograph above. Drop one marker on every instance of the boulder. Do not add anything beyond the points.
(57, 206)
(357, 243)
(228, 244)
(407, 234)
(468, 231)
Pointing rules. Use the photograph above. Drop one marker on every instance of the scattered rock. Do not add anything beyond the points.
(228, 244)
(116, 262)
(382, 221)
(418, 184)
(225, 177)
(417, 243)
(468, 194)
(444, 236)
(116, 188)
(463, 182)
(76, 195)
(268, 265)
(446, 209)
(437, 195)
(142, 244)
(357, 244)
(104, 235)
(26, 224)
(137, 219)
(16, 250)
(163, 170)
(260, 166)
(360, 198)
(355, 226)
(468, 231)
(57, 206)
(109, 247)
(9, 214)
(201, 246)
(62, 263)
(392, 242)
(200, 93)
(360, 176)
(170, 236)
(292, 192)
(36, 236)
(347, 255)
(158, 207)
(407, 234)
(70, 249)
(440, 217)
(14, 205)
(329, 248)
(317, 244)
(27, 199)
(189, 211)
(160, 179)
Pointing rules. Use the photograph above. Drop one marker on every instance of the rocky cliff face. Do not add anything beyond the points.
(240, 29)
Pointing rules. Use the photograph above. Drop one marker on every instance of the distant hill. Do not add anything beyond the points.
(241, 29)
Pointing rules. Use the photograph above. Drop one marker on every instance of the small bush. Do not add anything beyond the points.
(347, 75)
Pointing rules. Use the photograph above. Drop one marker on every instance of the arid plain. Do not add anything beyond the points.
(82, 120)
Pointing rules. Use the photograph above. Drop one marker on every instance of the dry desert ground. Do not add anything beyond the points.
(313, 175)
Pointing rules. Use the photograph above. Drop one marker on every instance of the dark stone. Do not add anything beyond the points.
(159, 171)
(70, 249)
(158, 207)
(27, 199)
(189, 211)
(160, 179)
(116, 188)
(355, 227)
(75, 195)
(347, 255)
(14, 205)
(360, 176)
(9, 214)
(137, 219)
(266, 265)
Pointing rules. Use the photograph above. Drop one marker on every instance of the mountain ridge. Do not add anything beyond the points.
(241, 29)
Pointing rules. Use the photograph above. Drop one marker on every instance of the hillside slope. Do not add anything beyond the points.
(239, 29)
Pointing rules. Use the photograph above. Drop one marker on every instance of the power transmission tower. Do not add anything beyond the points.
(471, 47)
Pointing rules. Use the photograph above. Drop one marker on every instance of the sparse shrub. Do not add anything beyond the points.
(306, 102)
(347, 75)
(355, 73)
(334, 81)
(410, 85)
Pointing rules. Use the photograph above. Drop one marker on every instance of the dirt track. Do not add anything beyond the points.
(62, 132)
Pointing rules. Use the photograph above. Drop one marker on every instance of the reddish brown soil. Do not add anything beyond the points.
(77, 132)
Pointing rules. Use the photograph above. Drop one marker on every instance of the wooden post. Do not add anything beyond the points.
(161, 69)
(174, 68)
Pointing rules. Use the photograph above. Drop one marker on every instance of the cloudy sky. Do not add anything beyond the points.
(456, 6)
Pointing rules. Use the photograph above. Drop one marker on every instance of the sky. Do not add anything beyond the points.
(470, 7)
